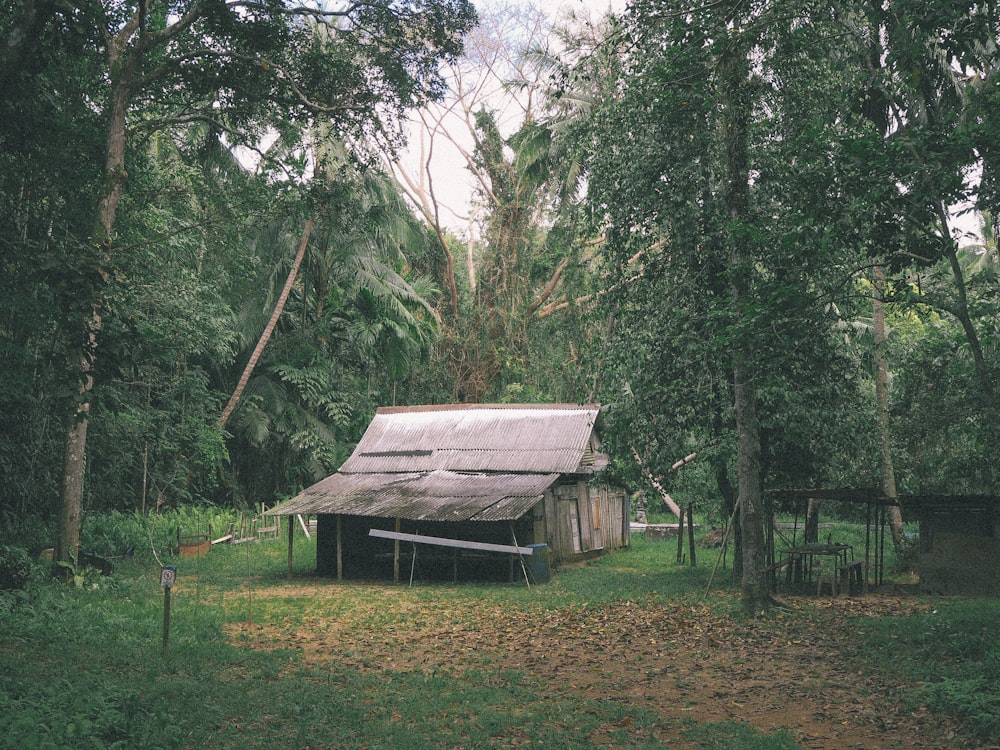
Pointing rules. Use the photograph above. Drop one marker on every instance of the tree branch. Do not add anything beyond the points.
(546, 293)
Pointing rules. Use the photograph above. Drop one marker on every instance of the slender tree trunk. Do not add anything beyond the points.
(961, 311)
(268, 329)
(735, 86)
(74, 457)
(23, 29)
(882, 403)
(728, 493)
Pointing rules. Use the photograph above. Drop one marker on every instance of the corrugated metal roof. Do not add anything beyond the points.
(496, 437)
(423, 496)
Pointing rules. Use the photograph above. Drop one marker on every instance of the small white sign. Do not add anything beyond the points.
(168, 574)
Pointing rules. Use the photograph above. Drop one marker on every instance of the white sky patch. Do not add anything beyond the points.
(454, 186)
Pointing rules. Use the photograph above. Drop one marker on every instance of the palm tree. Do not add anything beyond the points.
(346, 315)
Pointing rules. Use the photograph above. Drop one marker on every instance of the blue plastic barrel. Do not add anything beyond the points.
(538, 563)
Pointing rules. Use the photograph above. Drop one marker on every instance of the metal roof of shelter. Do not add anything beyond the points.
(456, 463)
(535, 438)
(423, 496)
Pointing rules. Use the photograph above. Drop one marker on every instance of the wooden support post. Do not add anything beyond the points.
(291, 540)
(340, 547)
(680, 537)
(413, 563)
(395, 556)
(166, 620)
(691, 532)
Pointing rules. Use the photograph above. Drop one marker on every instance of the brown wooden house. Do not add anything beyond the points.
(482, 480)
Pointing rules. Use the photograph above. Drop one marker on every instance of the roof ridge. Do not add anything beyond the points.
(469, 407)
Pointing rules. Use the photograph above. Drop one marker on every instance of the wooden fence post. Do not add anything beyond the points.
(691, 532)
(291, 540)
(680, 538)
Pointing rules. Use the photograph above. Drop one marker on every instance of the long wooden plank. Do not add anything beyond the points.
(444, 542)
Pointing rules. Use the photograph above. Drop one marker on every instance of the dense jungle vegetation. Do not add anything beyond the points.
(760, 232)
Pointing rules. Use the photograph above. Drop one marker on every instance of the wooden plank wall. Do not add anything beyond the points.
(585, 518)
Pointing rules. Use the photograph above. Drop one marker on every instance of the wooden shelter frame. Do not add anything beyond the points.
(876, 520)
(397, 536)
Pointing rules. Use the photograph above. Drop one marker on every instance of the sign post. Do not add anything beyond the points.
(168, 574)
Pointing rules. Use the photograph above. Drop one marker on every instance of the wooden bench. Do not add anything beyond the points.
(852, 576)
(826, 578)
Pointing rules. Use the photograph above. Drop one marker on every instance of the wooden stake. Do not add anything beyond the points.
(680, 538)
(166, 619)
(520, 556)
(691, 532)
(725, 541)
(291, 541)
(395, 556)
(340, 547)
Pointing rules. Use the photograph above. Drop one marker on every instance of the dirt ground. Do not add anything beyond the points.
(800, 670)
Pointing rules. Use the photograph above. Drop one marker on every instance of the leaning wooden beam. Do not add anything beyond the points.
(444, 542)
(686, 460)
(659, 487)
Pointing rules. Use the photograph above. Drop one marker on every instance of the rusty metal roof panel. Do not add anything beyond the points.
(423, 496)
(501, 438)
(509, 508)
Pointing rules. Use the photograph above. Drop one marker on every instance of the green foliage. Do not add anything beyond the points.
(184, 257)
(15, 567)
(30, 531)
(117, 535)
(953, 653)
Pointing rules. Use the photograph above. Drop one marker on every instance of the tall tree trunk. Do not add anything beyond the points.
(268, 329)
(755, 582)
(74, 459)
(735, 87)
(882, 403)
(810, 534)
(74, 463)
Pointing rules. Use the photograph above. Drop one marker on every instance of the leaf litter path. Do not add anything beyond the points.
(801, 670)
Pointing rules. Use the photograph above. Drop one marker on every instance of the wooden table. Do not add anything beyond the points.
(801, 561)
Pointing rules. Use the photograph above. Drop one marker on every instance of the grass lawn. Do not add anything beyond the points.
(627, 651)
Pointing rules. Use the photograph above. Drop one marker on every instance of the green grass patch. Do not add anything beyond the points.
(81, 667)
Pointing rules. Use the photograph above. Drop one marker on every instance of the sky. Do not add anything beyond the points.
(453, 184)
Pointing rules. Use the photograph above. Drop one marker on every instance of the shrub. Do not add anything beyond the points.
(15, 567)
(33, 533)
(908, 554)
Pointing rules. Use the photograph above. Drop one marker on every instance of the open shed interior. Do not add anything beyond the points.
(374, 558)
